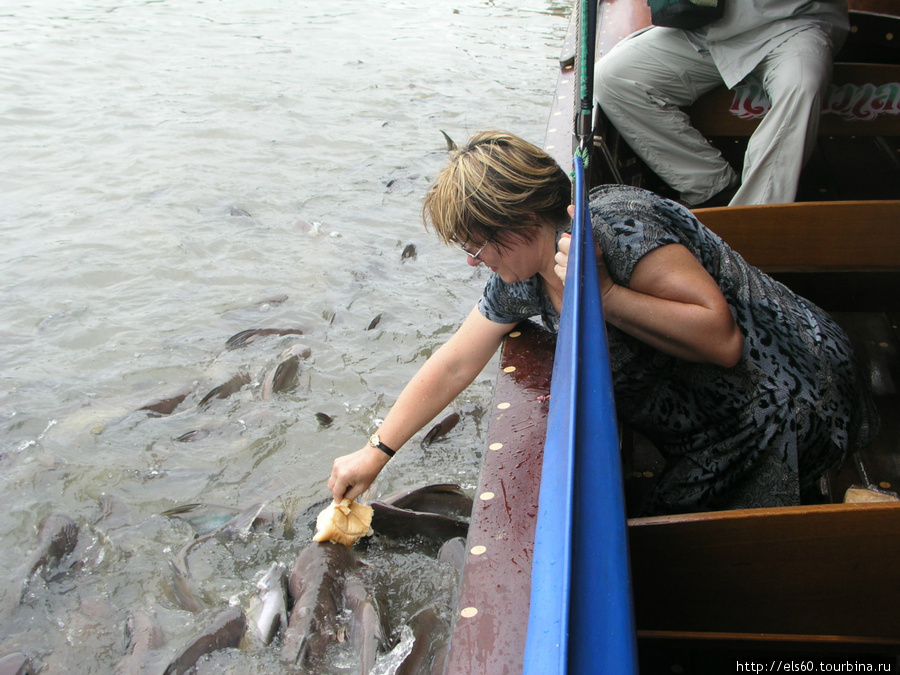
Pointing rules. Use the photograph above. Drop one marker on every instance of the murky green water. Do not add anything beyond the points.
(173, 173)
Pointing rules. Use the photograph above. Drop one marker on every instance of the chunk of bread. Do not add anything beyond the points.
(344, 523)
(856, 495)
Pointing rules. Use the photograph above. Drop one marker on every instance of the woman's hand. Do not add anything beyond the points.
(562, 261)
(562, 257)
(672, 304)
(352, 474)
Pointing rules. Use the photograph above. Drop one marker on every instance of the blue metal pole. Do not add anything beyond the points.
(581, 618)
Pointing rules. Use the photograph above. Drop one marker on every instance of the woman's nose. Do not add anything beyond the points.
(474, 262)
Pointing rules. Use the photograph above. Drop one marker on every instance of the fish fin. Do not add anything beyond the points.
(451, 144)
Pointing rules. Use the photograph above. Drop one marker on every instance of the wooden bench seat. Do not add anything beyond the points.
(864, 101)
(814, 574)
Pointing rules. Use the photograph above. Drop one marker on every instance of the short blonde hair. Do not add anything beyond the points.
(495, 184)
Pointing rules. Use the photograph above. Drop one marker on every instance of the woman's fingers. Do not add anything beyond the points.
(562, 257)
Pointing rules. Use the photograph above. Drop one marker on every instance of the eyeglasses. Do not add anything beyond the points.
(474, 256)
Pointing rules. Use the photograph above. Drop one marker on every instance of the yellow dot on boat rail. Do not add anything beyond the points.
(515, 333)
(478, 550)
(495, 446)
(503, 406)
(509, 369)
(485, 496)
(468, 612)
(884, 485)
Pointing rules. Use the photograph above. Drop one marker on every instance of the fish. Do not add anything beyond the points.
(267, 613)
(16, 663)
(114, 513)
(238, 212)
(409, 251)
(441, 429)
(142, 636)
(236, 526)
(366, 629)
(58, 536)
(451, 144)
(226, 630)
(284, 374)
(206, 518)
(397, 523)
(453, 553)
(226, 389)
(165, 406)
(245, 337)
(323, 419)
(443, 498)
(281, 377)
(374, 322)
(184, 589)
(317, 589)
(274, 300)
(429, 651)
(193, 435)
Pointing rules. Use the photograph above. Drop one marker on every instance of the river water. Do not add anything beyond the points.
(172, 173)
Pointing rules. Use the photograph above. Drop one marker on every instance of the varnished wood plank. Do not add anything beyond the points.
(558, 138)
(495, 589)
(769, 639)
(616, 20)
(880, 6)
(816, 570)
(812, 236)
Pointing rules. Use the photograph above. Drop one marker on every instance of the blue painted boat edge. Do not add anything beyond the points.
(581, 617)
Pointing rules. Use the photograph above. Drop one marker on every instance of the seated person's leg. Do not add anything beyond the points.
(796, 77)
(641, 85)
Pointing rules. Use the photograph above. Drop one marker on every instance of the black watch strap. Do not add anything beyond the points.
(375, 442)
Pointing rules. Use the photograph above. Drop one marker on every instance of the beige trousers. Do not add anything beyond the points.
(642, 84)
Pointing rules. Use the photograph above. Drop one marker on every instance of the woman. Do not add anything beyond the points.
(749, 391)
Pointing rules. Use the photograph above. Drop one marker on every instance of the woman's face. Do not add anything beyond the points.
(519, 258)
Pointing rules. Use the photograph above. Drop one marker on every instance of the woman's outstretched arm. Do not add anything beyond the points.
(442, 378)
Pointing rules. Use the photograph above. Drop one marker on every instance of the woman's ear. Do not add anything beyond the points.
(571, 211)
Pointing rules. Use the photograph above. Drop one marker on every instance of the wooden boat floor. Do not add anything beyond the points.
(876, 338)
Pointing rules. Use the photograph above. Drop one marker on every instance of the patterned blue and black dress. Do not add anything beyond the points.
(754, 435)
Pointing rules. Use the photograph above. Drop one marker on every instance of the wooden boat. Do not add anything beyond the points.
(711, 589)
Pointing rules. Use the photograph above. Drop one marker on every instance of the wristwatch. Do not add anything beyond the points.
(375, 442)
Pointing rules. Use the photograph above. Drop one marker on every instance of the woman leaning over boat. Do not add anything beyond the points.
(749, 391)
